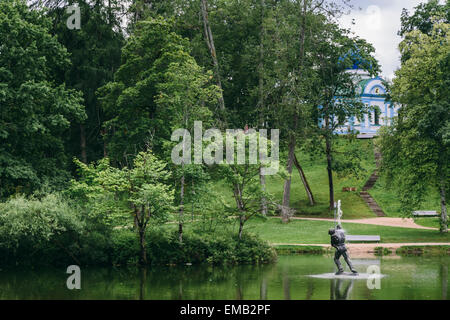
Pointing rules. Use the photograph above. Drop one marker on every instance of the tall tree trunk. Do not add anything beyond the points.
(143, 251)
(329, 169)
(262, 178)
(262, 181)
(180, 223)
(287, 183)
(241, 226)
(292, 143)
(240, 206)
(212, 49)
(193, 199)
(83, 143)
(443, 220)
(305, 182)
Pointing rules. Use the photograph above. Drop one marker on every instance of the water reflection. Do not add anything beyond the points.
(337, 292)
(444, 280)
(406, 278)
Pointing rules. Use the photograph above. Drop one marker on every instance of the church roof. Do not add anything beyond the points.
(356, 60)
(363, 84)
(369, 87)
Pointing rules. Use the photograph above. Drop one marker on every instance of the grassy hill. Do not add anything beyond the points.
(315, 170)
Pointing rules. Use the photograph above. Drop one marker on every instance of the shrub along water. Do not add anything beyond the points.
(165, 248)
(50, 231)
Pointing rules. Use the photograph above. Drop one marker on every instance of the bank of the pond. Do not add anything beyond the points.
(121, 248)
(363, 249)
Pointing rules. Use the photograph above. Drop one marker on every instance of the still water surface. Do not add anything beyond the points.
(407, 278)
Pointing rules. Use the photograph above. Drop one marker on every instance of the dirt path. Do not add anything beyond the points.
(380, 221)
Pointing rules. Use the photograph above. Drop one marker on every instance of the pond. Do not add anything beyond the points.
(406, 278)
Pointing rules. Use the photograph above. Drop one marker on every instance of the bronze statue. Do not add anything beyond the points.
(338, 242)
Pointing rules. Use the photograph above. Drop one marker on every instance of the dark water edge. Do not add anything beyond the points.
(406, 278)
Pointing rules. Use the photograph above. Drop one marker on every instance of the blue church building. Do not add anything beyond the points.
(373, 94)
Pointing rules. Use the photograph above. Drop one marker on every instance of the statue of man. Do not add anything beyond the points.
(338, 242)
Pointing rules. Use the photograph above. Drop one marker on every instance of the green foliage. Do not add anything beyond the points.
(164, 248)
(381, 251)
(32, 230)
(416, 150)
(292, 250)
(349, 158)
(423, 251)
(37, 220)
(243, 179)
(124, 247)
(112, 196)
(424, 17)
(156, 82)
(95, 55)
(35, 112)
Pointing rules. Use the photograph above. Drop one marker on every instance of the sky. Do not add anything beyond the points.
(378, 22)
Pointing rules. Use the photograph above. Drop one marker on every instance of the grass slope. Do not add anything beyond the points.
(315, 170)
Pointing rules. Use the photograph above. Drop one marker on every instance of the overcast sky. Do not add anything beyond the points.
(378, 21)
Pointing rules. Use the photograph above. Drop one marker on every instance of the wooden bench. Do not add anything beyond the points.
(425, 214)
(351, 238)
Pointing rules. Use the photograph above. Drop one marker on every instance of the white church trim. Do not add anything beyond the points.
(373, 95)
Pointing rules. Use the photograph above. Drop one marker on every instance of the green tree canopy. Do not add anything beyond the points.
(142, 99)
(416, 150)
(35, 112)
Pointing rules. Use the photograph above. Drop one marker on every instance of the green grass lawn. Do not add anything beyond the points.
(316, 232)
(432, 222)
(389, 202)
(303, 231)
(353, 206)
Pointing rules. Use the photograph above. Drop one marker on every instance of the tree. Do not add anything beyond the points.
(142, 193)
(416, 149)
(137, 119)
(288, 74)
(35, 112)
(95, 56)
(243, 178)
(186, 93)
(212, 49)
(424, 17)
(337, 94)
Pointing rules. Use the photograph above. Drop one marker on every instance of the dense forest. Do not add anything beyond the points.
(87, 116)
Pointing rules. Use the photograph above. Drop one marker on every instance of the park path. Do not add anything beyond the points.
(373, 205)
(381, 221)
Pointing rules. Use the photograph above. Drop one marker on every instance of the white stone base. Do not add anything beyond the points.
(348, 275)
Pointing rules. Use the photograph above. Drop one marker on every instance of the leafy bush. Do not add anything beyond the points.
(49, 231)
(124, 247)
(208, 248)
(34, 229)
(292, 249)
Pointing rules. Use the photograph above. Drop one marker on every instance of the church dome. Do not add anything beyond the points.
(353, 60)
